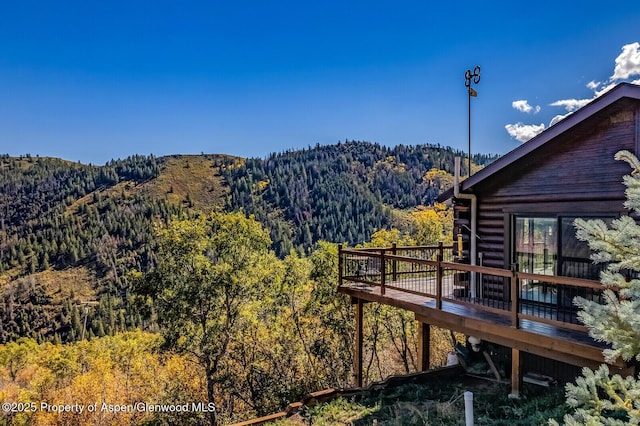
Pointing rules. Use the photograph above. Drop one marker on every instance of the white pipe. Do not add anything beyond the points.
(468, 408)
(474, 212)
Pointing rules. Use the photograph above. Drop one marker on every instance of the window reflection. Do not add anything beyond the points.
(536, 245)
(548, 246)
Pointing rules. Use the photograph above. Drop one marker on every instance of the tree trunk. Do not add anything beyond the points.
(213, 420)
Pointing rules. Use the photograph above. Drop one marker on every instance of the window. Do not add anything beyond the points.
(575, 260)
(548, 246)
(536, 244)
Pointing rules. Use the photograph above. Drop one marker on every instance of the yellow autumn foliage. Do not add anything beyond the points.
(98, 381)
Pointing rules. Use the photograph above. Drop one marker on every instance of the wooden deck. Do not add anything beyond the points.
(438, 293)
(570, 346)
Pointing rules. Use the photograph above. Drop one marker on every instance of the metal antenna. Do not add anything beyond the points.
(469, 78)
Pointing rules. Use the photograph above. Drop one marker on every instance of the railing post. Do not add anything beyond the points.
(439, 275)
(515, 299)
(340, 261)
(394, 251)
(383, 272)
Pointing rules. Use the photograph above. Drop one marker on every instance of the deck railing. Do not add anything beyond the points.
(432, 272)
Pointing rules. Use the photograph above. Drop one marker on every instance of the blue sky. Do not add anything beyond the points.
(90, 81)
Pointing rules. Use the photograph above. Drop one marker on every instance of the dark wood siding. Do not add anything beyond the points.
(575, 173)
(491, 233)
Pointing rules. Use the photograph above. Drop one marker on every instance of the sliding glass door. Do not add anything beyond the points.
(548, 246)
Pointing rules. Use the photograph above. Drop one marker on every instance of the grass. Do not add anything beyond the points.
(438, 403)
(72, 283)
(191, 181)
(193, 177)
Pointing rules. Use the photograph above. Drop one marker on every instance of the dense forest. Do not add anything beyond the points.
(81, 258)
(340, 193)
(60, 215)
(238, 328)
(90, 225)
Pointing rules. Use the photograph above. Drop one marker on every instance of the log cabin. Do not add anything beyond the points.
(516, 264)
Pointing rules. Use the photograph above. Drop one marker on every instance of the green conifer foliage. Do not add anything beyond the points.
(598, 398)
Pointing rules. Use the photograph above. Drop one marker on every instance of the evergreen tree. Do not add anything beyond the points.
(597, 397)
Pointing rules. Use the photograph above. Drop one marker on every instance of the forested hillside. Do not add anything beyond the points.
(341, 193)
(71, 233)
(58, 216)
(237, 328)
(152, 244)
(48, 222)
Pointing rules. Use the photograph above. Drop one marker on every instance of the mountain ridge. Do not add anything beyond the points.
(59, 217)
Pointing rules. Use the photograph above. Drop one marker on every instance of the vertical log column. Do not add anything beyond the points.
(357, 369)
(424, 346)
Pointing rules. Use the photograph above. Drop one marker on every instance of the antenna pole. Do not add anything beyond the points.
(470, 78)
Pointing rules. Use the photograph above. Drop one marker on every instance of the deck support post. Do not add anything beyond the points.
(357, 360)
(424, 346)
(516, 373)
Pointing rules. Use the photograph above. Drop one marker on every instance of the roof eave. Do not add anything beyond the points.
(623, 90)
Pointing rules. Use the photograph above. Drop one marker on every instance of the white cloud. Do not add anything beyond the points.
(627, 66)
(559, 117)
(524, 132)
(604, 89)
(523, 106)
(571, 104)
(627, 63)
(593, 85)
